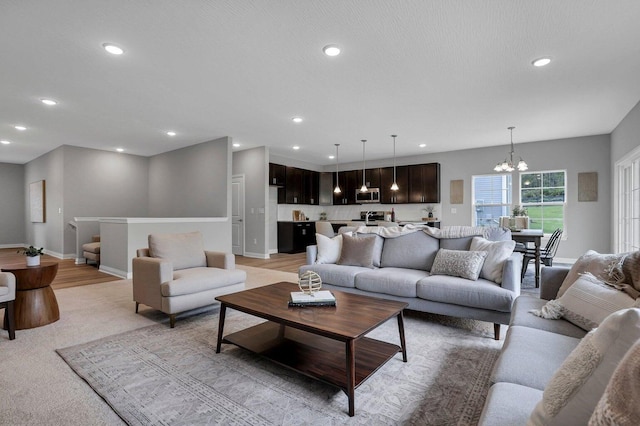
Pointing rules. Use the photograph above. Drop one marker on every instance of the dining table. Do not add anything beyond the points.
(534, 236)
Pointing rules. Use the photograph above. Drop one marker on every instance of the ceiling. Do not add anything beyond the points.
(450, 74)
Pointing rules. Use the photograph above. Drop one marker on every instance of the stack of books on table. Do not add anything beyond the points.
(319, 298)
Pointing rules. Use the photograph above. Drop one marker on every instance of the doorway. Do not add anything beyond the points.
(237, 214)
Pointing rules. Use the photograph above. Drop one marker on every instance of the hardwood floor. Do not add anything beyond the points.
(279, 262)
(69, 274)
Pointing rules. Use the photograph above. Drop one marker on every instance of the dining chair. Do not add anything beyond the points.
(546, 254)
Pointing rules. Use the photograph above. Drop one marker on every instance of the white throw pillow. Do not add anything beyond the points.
(497, 253)
(573, 392)
(329, 249)
(458, 263)
(586, 303)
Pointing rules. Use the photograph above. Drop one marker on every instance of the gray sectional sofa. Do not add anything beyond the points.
(538, 356)
(401, 271)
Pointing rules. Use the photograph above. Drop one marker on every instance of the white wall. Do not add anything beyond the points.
(626, 136)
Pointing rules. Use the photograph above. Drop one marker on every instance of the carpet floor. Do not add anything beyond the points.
(156, 375)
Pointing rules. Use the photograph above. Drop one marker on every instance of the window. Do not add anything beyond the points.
(544, 194)
(627, 212)
(491, 199)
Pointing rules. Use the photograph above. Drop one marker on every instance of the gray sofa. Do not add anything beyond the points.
(532, 363)
(402, 272)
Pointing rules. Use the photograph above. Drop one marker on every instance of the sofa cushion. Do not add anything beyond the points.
(329, 249)
(194, 280)
(458, 263)
(520, 315)
(357, 250)
(586, 303)
(481, 294)
(339, 275)
(573, 392)
(183, 250)
(92, 247)
(508, 404)
(530, 357)
(394, 281)
(497, 254)
(462, 243)
(416, 250)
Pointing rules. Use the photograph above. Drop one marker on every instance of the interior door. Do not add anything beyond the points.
(237, 215)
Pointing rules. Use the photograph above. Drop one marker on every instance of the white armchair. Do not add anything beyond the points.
(7, 297)
(175, 274)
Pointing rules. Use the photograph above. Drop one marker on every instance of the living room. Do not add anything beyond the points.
(582, 120)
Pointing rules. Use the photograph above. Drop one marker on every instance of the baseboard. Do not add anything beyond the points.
(273, 251)
(115, 272)
(564, 260)
(16, 246)
(257, 255)
(56, 254)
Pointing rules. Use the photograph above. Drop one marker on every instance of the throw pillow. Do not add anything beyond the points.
(183, 250)
(574, 390)
(619, 403)
(357, 251)
(609, 268)
(329, 249)
(586, 303)
(497, 254)
(458, 263)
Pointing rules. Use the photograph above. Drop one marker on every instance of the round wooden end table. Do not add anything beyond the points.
(35, 304)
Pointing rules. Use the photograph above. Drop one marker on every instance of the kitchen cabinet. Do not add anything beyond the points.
(277, 174)
(293, 185)
(424, 183)
(310, 187)
(387, 196)
(294, 237)
(371, 178)
(348, 185)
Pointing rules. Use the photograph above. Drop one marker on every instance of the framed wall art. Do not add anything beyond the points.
(37, 202)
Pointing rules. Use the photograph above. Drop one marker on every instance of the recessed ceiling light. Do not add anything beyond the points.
(236, 145)
(21, 128)
(296, 147)
(171, 133)
(332, 157)
(541, 62)
(331, 50)
(297, 119)
(120, 149)
(422, 145)
(113, 49)
(5, 142)
(49, 102)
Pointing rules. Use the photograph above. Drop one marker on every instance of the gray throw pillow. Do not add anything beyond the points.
(459, 263)
(357, 251)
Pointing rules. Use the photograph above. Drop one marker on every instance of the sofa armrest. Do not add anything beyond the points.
(551, 278)
(148, 274)
(7, 279)
(222, 260)
(511, 273)
(143, 252)
(312, 254)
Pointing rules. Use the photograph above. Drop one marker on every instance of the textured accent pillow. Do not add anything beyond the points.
(497, 253)
(357, 251)
(586, 303)
(329, 249)
(183, 250)
(573, 392)
(610, 268)
(459, 263)
(619, 403)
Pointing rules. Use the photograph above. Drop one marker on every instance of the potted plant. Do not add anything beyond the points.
(429, 211)
(519, 218)
(33, 255)
(519, 211)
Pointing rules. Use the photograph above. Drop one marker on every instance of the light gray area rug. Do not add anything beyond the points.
(157, 375)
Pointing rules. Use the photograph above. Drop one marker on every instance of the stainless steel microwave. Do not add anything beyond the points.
(371, 196)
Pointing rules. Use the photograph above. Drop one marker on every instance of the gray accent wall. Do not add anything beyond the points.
(12, 205)
(191, 182)
(626, 136)
(254, 165)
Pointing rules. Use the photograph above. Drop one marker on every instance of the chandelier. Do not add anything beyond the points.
(507, 165)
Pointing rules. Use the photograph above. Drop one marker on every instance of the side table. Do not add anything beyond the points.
(35, 304)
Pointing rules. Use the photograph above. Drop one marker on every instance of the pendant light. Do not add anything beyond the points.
(337, 189)
(507, 165)
(363, 188)
(394, 186)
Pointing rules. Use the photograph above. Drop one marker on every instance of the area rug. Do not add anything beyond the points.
(162, 376)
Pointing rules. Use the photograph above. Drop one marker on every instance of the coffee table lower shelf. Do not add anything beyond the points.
(315, 356)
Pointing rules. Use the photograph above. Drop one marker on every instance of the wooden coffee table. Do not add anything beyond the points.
(322, 342)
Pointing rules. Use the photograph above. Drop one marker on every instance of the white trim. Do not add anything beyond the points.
(86, 219)
(116, 272)
(273, 251)
(624, 161)
(563, 260)
(256, 255)
(15, 246)
(162, 219)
